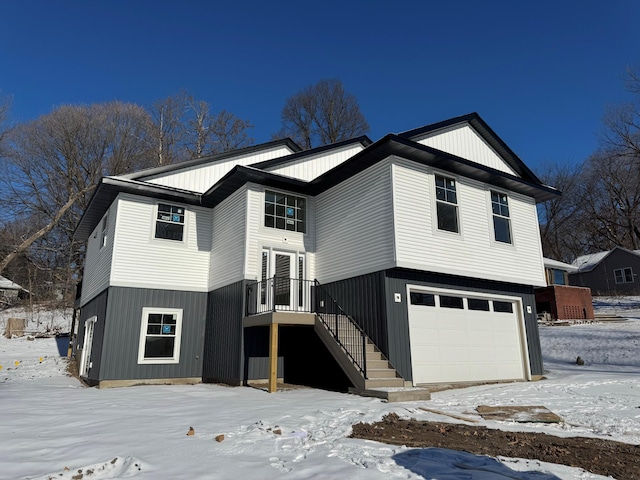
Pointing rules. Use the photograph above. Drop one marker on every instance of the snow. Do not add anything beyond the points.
(52, 426)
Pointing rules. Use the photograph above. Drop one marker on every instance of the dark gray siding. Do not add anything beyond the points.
(223, 340)
(98, 308)
(256, 354)
(122, 335)
(398, 315)
(363, 298)
(601, 279)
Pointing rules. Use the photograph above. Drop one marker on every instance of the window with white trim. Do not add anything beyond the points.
(447, 204)
(160, 335)
(501, 219)
(103, 231)
(285, 212)
(170, 222)
(623, 275)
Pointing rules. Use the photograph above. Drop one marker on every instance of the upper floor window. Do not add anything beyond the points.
(103, 234)
(623, 275)
(447, 204)
(170, 222)
(286, 212)
(501, 221)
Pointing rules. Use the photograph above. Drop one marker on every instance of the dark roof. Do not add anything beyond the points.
(218, 157)
(400, 145)
(487, 134)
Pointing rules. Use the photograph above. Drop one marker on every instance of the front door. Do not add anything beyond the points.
(283, 280)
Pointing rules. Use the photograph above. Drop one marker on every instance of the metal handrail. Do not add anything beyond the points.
(279, 294)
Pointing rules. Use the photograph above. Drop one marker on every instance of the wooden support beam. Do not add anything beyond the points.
(273, 358)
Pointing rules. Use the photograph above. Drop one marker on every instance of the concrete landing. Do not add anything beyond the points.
(395, 394)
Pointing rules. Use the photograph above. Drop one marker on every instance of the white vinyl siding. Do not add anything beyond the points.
(97, 268)
(463, 141)
(200, 178)
(260, 237)
(309, 168)
(474, 253)
(142, 261)
(229, 240)
(355, 225)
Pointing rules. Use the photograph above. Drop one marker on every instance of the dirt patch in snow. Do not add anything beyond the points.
(603, 457)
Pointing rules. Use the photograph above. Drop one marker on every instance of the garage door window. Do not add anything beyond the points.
(478, 304)
(502, 307)
(451, 302)
(426, 299)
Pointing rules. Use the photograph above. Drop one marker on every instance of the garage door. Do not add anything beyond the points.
(459, 338)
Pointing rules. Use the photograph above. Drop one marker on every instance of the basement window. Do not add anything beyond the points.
(447, 204)
(170, 222)
(160, 335)
(623, 275)
(285, 212)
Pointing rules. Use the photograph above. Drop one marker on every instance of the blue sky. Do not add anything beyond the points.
(539, 73)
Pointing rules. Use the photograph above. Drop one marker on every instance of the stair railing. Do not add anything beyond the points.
(344, 329)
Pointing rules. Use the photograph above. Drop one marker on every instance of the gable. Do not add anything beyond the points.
(464, 141)
(200, 177)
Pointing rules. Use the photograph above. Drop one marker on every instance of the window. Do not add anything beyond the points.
(623, 275)
(426, 299)
(451, 302)
(103, 234)
(285, 212)
(160, 335)
(478, 304)
(502, 307)
(170, 222)
(446, 204)
(501, 222)
(558, 277)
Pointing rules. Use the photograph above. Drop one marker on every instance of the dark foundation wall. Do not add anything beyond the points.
(122, 335)
(398, 314)
(256, 354)
(223, 360)
(95, 308)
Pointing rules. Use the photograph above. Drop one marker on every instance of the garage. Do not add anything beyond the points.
(465, 337)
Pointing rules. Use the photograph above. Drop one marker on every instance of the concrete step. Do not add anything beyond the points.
(409, 394)
(377, 364)
(381, 373)
(383, 382)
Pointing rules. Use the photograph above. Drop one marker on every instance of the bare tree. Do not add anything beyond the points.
(5, 108)
(54, 163)
(167, 115)
(321, 114)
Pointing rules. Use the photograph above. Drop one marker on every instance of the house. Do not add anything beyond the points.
(613, 272)
(10, 291)
(406, 261)
(558, 300)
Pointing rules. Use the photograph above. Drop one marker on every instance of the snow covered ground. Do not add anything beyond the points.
(53, 427)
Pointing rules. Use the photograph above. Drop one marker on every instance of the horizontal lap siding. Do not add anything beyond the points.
(97, 269)
(202, 177)
(398, 317)
(310, 168)
(228, 242)
(140, 260)
(473, 252)
(259, 236)
(354, 222)
(463, 141)
(223, 340)
(122, 335)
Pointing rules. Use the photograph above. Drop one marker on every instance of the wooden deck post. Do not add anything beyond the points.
(273, 357)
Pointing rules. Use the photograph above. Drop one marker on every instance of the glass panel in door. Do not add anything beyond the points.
(283, 264)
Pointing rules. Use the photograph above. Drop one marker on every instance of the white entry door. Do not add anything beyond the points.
(283, 280)
(85, 359)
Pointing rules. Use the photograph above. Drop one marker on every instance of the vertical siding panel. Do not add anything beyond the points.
(354, 222)
(98, 308)
(200, 178)
(122, 333)
(223, 339)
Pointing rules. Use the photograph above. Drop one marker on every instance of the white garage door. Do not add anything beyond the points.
(459, 338)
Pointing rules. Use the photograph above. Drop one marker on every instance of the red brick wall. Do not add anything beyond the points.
(566, 303)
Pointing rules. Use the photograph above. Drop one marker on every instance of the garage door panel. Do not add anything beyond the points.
(460, 345)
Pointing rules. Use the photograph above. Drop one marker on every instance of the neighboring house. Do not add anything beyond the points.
(411, 260)
(10, 291)
(559, 301)
(614, 272)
